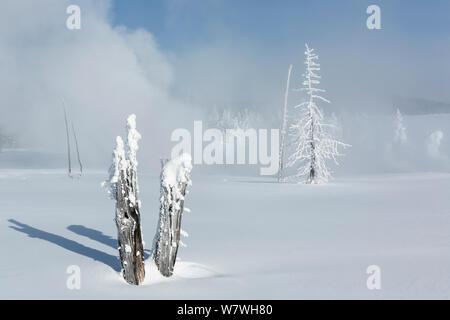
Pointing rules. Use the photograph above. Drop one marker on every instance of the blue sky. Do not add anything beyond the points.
(179, 24)
(257, 39)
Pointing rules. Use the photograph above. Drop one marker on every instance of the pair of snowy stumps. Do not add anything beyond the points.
(123, 188)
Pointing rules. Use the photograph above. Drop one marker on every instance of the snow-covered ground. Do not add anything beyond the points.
(249, 238)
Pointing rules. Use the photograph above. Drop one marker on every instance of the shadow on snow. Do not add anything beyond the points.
(98, 236)
(97, 255)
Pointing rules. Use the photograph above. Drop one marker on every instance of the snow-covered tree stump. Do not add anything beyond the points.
(175, 178)
(124, 190)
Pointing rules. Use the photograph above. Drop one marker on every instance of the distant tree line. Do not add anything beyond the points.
(7, 141)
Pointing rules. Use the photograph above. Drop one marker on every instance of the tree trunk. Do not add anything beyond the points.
(128, 222)
(167, 246)
(123, 188)
(167, 238)
(284, 128)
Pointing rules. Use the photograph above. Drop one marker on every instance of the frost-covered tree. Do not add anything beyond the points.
(175, 178)
(123, 188)
(7, 141)
(434, 144)
(225, 119)
(314, 144)
(400, 130)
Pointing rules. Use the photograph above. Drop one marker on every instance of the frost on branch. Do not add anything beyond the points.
(123, 188)
(313, 142)
(175, 178)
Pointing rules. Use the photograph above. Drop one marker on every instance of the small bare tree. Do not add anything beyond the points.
(284, 128)
(175, 178)
(69, 156)
(123, 187)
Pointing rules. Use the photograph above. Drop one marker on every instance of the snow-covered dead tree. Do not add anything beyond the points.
(123, 188)
(284, 128)
(400, 130)
(314, 144)
(69, 156)
(175, 178)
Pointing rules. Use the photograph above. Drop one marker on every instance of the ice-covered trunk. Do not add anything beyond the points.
(284, 128)
(312, 169)
(123, 188)
(174, 182)
(167, 248)
(128, 222)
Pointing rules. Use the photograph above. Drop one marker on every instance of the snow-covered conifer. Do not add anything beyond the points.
(314, 144)
(175, 178)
